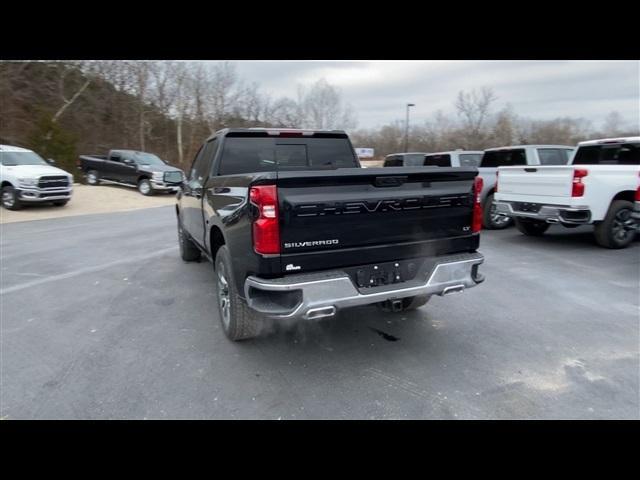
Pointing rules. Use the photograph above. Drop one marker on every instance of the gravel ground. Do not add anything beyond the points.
(90, 199)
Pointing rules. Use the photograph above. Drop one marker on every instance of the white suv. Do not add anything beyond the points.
(25, 177)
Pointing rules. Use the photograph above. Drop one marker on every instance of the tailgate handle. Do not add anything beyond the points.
(530, 169)
(389, 181)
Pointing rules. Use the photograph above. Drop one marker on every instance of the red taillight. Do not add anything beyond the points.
(476, 222)
(496, 189)
(638, 191)
(577, 187)
(266, 231)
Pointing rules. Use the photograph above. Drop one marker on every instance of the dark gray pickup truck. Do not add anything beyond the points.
(143, 170)
(297, 230)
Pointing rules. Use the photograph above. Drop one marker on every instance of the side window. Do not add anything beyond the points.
(116, 157)
(196, 162)
(202, 165)
(568, 154)
(210, 153)
(552, 156)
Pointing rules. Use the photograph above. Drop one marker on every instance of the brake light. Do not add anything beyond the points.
(476, 222)
(577, 187)
(638, 191)
(266, 230)
(496, 189)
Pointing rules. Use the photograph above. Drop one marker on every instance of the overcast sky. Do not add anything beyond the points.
(379, 91)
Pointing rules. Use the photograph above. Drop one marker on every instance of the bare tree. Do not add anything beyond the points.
(475, 108)
(613, 124)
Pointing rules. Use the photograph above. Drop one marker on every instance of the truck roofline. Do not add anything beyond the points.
(448, 152)
(525, 146)
(610, 140)
(225, 131)
(11, 148)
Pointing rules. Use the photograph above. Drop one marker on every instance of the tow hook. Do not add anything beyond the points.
(396, 305)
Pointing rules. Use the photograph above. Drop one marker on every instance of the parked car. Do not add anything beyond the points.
(601, 187)
(454, 158)
(297, 230)
(411, 159)
(26, 178)
(493, 158)
(131, 168)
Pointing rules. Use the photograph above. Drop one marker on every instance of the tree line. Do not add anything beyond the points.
(475, 123)
(64, 109)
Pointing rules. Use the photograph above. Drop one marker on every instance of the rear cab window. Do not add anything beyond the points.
(413, 160)
(247, 153)
(470, 159)
(553, 156)
(504, 158)
(437, 160)
(608, 154)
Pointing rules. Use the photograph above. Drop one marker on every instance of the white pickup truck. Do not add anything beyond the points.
(600, 186)
(26, 178)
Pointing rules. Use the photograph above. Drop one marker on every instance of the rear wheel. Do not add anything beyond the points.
(533, 228)
(188, 250)
(239, 322)
(490, 219)
(407, 304)
(144, 187)
(93, 177)
(10, 199)
(618, 229)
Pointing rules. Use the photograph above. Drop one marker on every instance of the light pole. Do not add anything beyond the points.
(406, 128)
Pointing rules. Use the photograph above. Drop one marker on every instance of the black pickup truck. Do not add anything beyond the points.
(296, 229)
(143, 170)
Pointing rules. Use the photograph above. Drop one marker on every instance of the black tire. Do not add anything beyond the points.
(93, 177)
(408, 304)
(10, 199)
(238, 321)
(618, 229)
(145, 187)
(490, 220)
(532, 228)
(189, 252)
(60, 203)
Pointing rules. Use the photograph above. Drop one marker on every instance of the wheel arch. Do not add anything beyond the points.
(216, 240)
(628, 195)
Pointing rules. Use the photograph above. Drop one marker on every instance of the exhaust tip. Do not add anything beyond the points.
(321, 312)
(453, 289)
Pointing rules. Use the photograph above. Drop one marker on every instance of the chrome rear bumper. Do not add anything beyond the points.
(318, 295)
(547, 213)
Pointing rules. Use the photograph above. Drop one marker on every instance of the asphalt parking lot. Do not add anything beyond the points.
(100, 319)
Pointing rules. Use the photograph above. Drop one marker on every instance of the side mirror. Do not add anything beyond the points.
(51, 161)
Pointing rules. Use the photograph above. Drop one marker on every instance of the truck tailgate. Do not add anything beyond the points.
(358, 216)
(546, 181)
